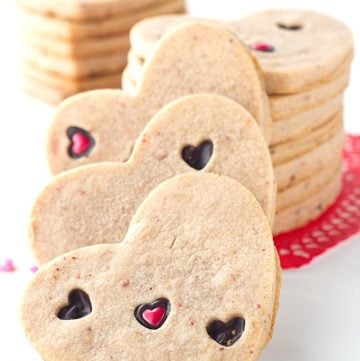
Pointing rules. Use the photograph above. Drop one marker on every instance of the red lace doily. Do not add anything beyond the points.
(342, 220)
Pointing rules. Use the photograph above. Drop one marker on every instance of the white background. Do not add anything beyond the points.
(319, 317)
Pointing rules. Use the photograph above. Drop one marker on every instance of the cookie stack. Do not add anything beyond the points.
(306, 72)
(71, 46)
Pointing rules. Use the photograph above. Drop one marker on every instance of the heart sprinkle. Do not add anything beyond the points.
(199, 156)
(262, 46)
(81, 142)
(226, 334)
(79, 306)
(153, 315)
(8, 266)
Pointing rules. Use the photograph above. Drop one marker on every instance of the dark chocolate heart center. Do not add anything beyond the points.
(79, 306)
(153, 315)
(290, 27)
(226, 334)
(81, 142)
(199, 156)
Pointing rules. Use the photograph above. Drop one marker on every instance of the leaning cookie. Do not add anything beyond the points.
(200, 133)
(194, 278)
(293, 50)
(192, 58)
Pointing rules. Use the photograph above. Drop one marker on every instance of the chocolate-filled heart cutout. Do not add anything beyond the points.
(81, 142)
(291, 27)
(153, 315)
(79, 306)
(199, 156)
(226, 334)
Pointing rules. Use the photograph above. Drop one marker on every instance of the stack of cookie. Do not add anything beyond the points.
(71, 46)
(306, 72)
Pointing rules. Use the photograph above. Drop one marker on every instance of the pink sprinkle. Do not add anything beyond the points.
(34, 269)
(8, 266)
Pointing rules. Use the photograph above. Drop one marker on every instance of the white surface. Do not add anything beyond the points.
(319, 318)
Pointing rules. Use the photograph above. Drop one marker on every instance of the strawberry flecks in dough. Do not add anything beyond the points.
(7, 266)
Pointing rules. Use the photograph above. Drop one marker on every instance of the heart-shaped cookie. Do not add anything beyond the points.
(94, 204)
(193, 58)
(200, 243)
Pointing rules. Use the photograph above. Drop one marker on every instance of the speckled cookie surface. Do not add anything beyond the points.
(298, 169)
(304, 189)
(304, 52)
(195, 57)
(300, 214)
(168, 291)
(291, 46)
(306, 121)
(285, 152)
(198, 133)
(281, 106)
(62, 28)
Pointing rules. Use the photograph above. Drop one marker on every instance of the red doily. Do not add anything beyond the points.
(342, 220)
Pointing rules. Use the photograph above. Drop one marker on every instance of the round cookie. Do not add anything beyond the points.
(240, 282)
(70, 30)
(303, 52)
(198, 133)
(296, 170)
(285, 152)
(195, 57)
(299, 214)
(285, 106)
(309, 186)
(307, 121)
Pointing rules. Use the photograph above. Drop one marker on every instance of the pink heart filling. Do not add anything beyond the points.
(154, 317)
(262, 46)
(80, 143)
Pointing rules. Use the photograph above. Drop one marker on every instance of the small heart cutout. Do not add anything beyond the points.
(291, 27)
(79, 306)
(263, 47)
(153, 315)
(226, 334)
(199, 156)
(81, 142)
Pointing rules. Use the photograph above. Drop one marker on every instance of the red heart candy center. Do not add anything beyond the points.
(262, 46)
(154, 317)
(80, 143)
